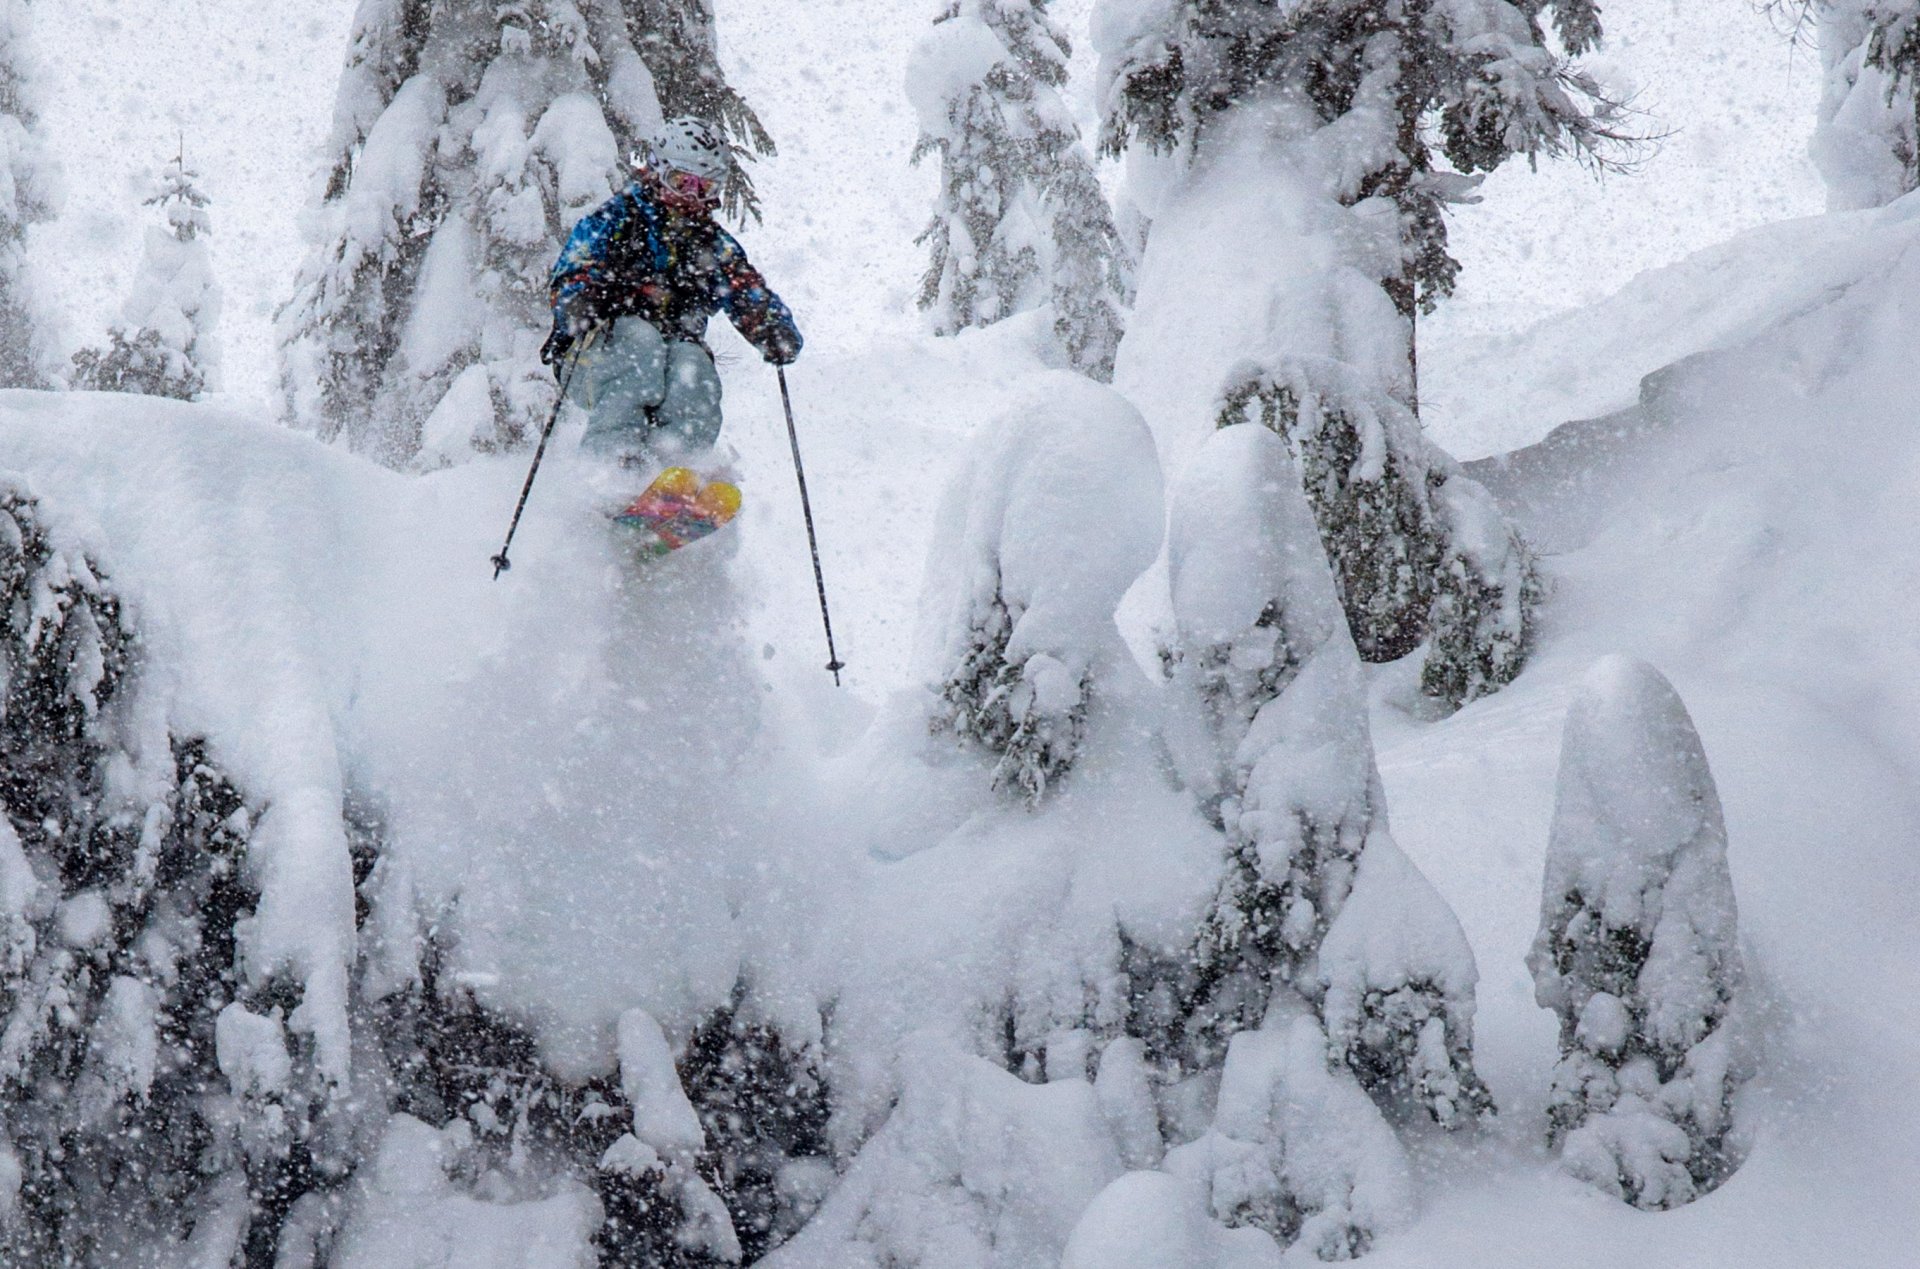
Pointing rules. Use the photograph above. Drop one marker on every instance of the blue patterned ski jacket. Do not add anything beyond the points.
(635, 256)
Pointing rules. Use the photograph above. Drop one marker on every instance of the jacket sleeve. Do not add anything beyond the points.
(582, 277)
(760, 316)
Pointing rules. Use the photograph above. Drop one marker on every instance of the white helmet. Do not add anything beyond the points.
(691, 145)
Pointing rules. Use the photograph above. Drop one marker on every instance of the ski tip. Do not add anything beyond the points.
(678, 482)
(719, 500)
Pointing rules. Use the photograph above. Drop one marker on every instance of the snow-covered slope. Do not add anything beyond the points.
(332, 628)
(585, 761)
(1501, 392)
(1747, 526)
(628, 787)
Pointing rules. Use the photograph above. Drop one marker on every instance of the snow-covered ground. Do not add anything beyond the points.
(1744, 526)
(1733, 505)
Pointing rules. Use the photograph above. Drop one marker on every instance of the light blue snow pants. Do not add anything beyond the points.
(646, 396)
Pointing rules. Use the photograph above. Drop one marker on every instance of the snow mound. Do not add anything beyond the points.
(1056, 512)
(974, 1168)
(409, 1215)
(333, 631)
(1511, 390)
(1152, 1220)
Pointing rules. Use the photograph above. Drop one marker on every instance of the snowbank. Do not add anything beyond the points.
(1509, 391)
(1747, 526)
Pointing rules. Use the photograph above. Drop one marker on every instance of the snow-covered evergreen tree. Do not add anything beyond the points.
(1637, 951)
(160, 1101)
(1270, 728)
(1296, 1149)
(141, 1103)
(1330, 986)
(763, 1105)
(1479, 82)
(163, 343)
(26, 179)
(687, 1148)
(1055, 514)
(1485, 595)
(972, 1165)
(468, 137)
(1021, 220)
(1298, 228)
(1867, 144)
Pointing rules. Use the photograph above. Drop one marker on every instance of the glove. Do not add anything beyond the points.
(782, 347)
(578, 322)
(584, 315)
(581, 311)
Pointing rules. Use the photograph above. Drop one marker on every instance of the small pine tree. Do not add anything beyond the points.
(1296, 1149)
(1317, 898)
(1031, 711)
(1021, 220)
(1055, 514)
(163, 343)
(26, 187)
(1636, 952)
(468, 138)
(1304, 143)
(1486, 592)
(1867, 142)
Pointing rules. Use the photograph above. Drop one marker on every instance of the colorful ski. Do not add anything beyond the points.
(678, 508)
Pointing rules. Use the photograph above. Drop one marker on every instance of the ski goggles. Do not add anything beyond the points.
(687, 184)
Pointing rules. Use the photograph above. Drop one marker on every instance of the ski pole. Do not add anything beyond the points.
(500, 562)
(834, 663)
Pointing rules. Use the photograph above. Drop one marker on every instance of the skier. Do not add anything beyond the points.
(632, 292)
